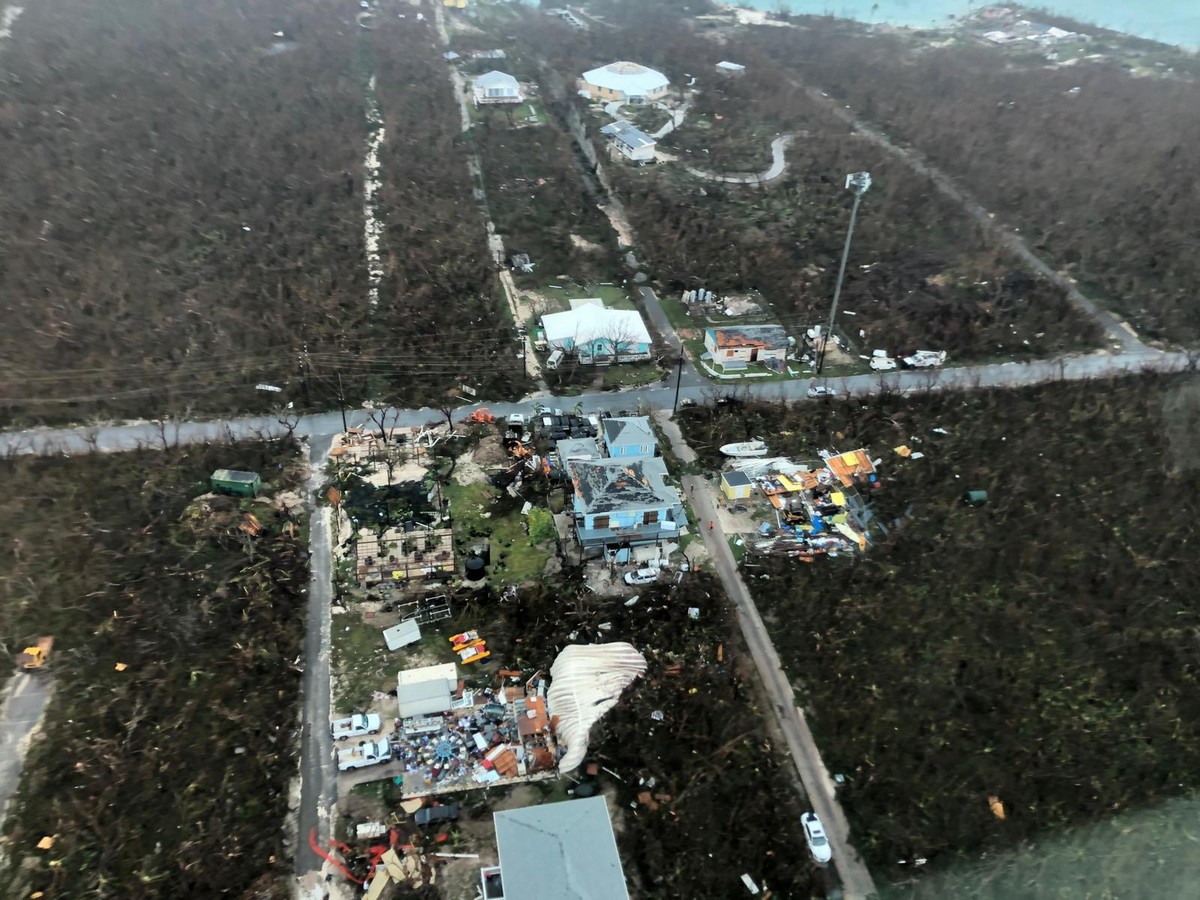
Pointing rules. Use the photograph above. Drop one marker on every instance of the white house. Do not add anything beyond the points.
(730, 68)
(627, 81)
(497, 87)
(598, 335)
(630, 142)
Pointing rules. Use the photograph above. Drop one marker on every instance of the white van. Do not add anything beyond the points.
(554, 359)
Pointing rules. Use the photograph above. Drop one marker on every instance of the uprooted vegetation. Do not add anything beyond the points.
(171, 736)
(1039, 649)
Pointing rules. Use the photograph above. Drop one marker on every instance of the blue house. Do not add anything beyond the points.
(629, 438)
(623, 503)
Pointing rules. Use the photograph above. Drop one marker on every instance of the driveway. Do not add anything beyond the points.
(778, 166)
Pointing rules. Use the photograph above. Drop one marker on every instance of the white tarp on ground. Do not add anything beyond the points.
(585, 682)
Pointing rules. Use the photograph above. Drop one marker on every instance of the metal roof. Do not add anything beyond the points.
(563, 850)
(767, 337)
(627, 134)
(611, 485)
(496, 78)
(588, 323)
(633, 79)
(628, 430)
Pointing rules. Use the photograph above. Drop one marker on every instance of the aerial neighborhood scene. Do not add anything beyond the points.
(485, 450)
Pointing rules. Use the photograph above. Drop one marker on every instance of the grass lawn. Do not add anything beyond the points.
(632, 374)
(613, 295)
(480, 509)
(361, 660)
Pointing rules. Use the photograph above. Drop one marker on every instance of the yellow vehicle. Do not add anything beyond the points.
(34, 658)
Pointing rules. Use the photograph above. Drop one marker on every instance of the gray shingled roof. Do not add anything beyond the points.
(608, 485)
(564, 851)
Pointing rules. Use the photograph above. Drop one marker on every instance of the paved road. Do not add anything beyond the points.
(1118, 332)
(24, 701)
(856, 879)
(778, 165)
(318, 777)
(115, 438)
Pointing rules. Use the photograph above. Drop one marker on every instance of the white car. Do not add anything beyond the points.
(642, 576)
(517, 420)
(814, 833)
(820, 390)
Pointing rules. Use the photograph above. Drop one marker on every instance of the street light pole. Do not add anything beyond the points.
(857, 182)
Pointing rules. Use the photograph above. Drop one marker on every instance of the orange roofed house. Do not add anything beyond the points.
(736, 347)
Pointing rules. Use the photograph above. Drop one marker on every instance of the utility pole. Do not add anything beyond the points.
(678, 378)
(857, 182)
(342, 403)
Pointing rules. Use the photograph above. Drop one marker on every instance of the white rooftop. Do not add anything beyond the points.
(495, 79)
(588, 323)
(632, 78)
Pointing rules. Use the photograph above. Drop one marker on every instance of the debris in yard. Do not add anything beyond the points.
(997, 807)
(46, 843)
(693, 612)
(904, 450)
(120, 667)
(402, 634)
(658, 715)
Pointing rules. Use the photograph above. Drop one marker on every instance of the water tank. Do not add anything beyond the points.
(476, 568)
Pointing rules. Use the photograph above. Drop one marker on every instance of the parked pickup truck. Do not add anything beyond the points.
(367, 753)
(356, 726)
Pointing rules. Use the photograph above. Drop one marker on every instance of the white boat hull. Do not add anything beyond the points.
(745, 449)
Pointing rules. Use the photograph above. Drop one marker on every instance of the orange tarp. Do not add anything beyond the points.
(848, 466)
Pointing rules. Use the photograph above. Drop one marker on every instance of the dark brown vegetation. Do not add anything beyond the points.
(180, 199)
(183, 200)
(446, 312)
(167, 779)
(921, 273)
(1040, 648)
(1101, 181)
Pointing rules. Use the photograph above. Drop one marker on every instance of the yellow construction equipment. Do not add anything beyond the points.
(31, 659)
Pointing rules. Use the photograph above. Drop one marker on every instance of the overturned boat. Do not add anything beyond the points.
(745, 448)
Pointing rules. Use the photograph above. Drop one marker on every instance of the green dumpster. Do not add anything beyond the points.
(231, 481)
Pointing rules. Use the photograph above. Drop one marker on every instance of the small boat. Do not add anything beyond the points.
(745, 448)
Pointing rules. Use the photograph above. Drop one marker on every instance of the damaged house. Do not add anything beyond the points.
(619, 504)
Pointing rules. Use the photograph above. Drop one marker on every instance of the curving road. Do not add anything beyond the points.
(778, 166)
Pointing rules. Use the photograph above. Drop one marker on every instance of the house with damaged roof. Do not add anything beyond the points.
(736, 347)
(619, 504)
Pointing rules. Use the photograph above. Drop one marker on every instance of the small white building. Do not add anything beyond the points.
(497, 87)
(627, 81)
(598, 336)
(630, 142)
(426, 691)
(730, 68)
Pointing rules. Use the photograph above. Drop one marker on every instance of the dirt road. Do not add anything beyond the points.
(778, 166)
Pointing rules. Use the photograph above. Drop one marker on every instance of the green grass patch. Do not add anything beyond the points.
(362, 662)
(481, 510)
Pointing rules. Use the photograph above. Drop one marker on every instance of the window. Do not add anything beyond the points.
(650, 517)
(600, 521)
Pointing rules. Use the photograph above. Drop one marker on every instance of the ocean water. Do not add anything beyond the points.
(1170, 21)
